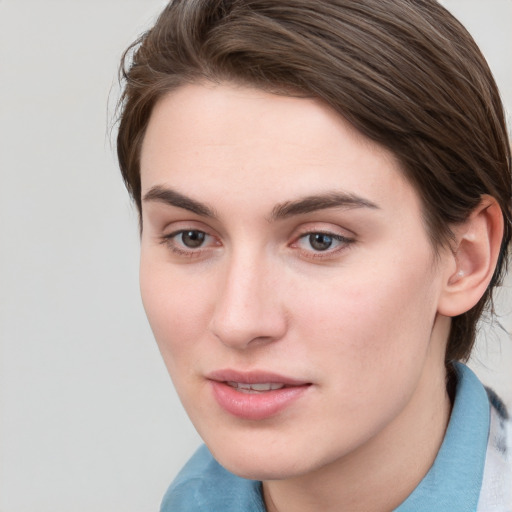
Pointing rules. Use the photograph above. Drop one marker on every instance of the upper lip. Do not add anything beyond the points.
(253, 377)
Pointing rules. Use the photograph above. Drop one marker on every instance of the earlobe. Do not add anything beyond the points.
(475, 254)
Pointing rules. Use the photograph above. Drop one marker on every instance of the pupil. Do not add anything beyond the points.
(320, 242)
(192, 239)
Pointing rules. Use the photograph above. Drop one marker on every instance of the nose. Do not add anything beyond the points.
(248, 310)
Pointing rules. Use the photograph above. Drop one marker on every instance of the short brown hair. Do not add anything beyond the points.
(405, 73)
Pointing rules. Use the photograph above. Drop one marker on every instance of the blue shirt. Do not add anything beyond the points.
(452, 484)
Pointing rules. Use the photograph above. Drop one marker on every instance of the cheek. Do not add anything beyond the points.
(176, 309)
(369, 326)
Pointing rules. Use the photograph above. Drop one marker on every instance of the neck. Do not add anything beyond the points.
(381, 474)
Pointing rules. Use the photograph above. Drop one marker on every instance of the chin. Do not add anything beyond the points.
(263, 463)
(263, 470)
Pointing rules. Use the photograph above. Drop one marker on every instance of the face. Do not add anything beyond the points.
(287, 276)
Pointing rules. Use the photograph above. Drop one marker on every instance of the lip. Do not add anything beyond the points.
(259, 405)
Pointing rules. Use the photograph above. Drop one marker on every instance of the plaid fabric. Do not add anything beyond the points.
(496, 493)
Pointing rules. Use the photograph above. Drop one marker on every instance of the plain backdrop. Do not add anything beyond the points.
(88, 418)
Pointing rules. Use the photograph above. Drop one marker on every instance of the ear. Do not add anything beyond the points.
(473, 260)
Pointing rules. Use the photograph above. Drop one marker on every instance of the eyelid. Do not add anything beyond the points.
(325, 228)
(169, 229)
(327, 225)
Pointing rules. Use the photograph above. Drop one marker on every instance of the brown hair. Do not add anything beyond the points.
(405, 73)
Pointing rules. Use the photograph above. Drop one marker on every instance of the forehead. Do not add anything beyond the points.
(229, 141)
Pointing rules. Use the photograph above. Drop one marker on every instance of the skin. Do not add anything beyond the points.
(360, 321)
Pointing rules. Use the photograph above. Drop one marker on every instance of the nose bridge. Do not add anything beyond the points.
(247, 308)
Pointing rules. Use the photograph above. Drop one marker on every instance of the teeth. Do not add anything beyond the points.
(255, 388)
(266, 387)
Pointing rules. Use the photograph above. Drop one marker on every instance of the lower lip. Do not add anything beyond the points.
(255, 406)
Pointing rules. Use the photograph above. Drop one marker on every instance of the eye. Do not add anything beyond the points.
(316, 243)
(192, 239)
(188, 242)
(320, 241)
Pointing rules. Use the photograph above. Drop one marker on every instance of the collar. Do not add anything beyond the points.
(203, 485)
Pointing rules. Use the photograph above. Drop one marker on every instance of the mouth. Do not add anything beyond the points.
(255, 395)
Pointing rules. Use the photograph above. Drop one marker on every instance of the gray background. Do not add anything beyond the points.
(88, 418)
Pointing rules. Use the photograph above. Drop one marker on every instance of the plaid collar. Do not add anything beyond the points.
(496, 494)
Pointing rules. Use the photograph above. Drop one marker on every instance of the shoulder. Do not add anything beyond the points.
(203, 485)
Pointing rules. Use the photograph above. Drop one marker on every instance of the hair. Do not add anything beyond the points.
(405, 73)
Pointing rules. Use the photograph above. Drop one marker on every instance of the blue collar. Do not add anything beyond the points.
(452, 484)
(203, 485)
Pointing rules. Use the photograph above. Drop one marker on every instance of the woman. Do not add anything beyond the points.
(324, 190)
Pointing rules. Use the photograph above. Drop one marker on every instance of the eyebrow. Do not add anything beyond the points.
(313, 203)
(172, 198)
(281, 211)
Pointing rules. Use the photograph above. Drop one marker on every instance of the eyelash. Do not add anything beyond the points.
(344, 242)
